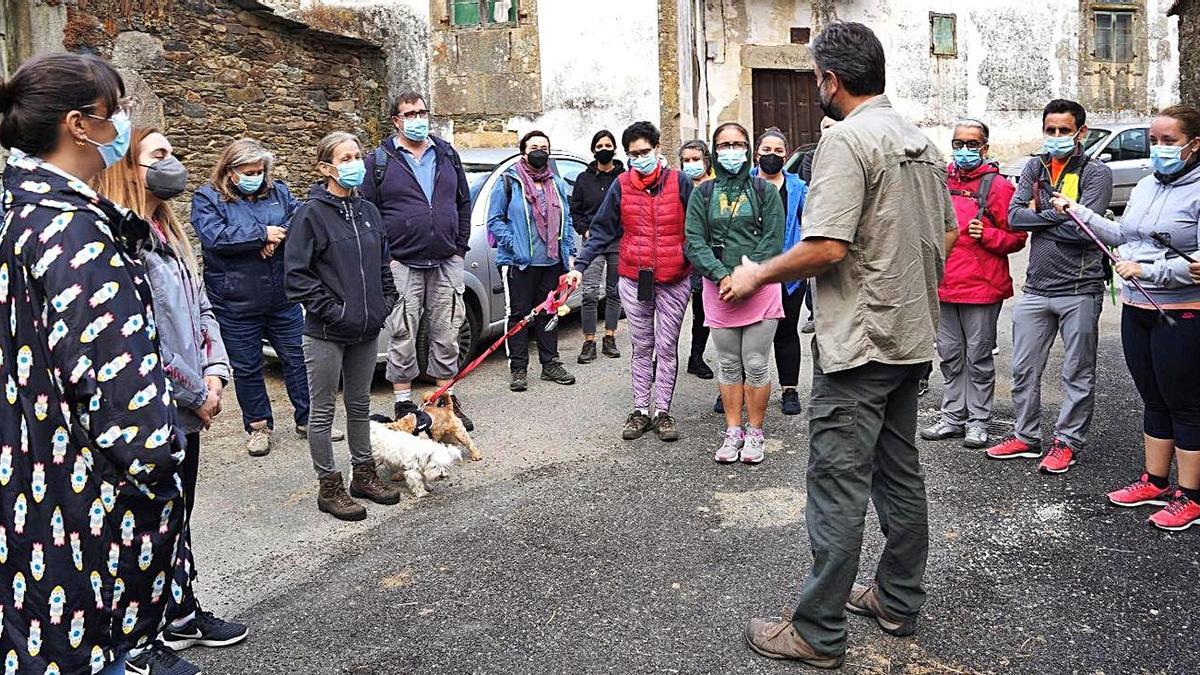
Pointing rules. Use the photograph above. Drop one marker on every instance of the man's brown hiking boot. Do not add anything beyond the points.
(332, 499)
(864, 601)
(366, 485)
(778, 639)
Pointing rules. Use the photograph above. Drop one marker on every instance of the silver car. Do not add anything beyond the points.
(1124, 147)
(484, 293)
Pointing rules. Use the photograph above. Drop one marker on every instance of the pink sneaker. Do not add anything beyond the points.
(1012, 448)
(1060, 458)
(1140, 492)
(1179, 515)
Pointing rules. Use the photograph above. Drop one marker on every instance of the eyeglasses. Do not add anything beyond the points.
(124, 105)
(414, 114)
(638, 154)
(970, 145)
(733, 145)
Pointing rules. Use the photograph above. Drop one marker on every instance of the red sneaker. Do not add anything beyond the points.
(1012, 448)
(1179, 515)
(1060, 458)
(1140, 492)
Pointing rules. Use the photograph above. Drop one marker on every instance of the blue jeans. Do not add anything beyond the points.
(243, 336)
(117, 667)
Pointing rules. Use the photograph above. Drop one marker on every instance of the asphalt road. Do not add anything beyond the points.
(568, 550)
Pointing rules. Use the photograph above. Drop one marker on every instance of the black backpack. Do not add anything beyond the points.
(980, 197)
(381, 165)
(758, 187)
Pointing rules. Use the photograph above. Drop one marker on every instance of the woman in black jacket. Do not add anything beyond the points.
(337, 267)
(590, 189)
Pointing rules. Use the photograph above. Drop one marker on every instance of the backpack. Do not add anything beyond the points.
(381, 164)
(757, 184)
(980, 197)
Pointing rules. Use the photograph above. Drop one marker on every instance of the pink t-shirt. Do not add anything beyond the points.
(767, 303)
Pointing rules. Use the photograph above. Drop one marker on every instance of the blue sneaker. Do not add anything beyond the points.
(205, 630)
(159, 660)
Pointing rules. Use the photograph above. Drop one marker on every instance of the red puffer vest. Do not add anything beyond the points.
(653, 229)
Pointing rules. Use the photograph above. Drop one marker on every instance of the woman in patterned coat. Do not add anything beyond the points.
(90, 441)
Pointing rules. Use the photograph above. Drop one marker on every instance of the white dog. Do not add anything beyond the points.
(421, 460)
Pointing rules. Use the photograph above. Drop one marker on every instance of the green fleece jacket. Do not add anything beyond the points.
(733, 217)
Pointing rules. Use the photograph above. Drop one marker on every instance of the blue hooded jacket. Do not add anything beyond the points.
(511, 224)
(797, 192)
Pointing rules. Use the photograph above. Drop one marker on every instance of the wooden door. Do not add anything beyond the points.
(787, 99)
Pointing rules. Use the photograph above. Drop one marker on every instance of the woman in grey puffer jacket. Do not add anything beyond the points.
(193, 355)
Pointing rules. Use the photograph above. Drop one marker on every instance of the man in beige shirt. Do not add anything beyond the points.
(877, 225)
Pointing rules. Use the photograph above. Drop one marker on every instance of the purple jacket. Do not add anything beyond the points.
(420, 233)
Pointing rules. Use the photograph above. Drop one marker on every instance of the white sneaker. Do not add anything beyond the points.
(731, 447)
(753, 449)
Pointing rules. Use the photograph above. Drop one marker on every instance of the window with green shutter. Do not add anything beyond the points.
(476, 13)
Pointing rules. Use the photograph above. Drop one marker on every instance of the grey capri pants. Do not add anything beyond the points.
(744, 353)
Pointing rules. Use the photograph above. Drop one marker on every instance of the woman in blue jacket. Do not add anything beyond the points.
(241, 217)
(529, 218)
(772, 153)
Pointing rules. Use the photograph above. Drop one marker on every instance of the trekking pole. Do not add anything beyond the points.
(1164, 239)
(1083, 227)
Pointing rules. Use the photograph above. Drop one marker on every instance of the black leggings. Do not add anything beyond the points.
(787, 338)
(1165, 366)
(699, 330)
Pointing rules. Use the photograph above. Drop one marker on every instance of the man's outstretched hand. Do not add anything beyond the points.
(743, 283)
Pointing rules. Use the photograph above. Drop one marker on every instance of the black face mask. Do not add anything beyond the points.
(827, 106)
(538, 158)
(605, 156)
(770, 164)
(166, 178)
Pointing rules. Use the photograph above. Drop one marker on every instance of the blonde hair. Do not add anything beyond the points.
(239, 153)
(123, 184)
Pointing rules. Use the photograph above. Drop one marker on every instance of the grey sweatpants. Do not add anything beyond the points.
(435, 293)
(602, 272)
(965, 339)
(744, 353)
(1036, 320)
(862, 447)
(353, 365)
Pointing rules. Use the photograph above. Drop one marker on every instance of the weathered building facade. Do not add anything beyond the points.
(1188, 12)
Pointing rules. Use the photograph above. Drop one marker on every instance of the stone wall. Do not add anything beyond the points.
(210, 71)
(1188, 12)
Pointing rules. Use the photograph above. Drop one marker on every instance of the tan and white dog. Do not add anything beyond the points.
(418, 459)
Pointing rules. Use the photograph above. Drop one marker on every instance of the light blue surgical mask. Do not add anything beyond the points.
(645, 164)
(733, 160)
(249, 184)
(1168, 159)
(693, 170)
(350, 174)
(416, 129)
(967, 159)
(116, 149)
(1059, 146)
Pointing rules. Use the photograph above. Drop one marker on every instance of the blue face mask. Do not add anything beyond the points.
(350, 174)
(732, 160)
(645, 164)
(1168, 159)
(967, 159)
(1059, 146)
(249, 184)
(416, 129)
(693, 170)
(116, 149)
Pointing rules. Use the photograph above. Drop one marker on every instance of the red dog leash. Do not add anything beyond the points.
(554, 301)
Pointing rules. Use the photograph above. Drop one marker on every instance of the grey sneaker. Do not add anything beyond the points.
(752, 450)
(977, 436)
(942, 430)
(335, 434)
(809, 327)
(258, 444)
(731, 447)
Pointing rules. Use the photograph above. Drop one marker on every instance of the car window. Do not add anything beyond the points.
(1130, 144)
(569, 170)
(1094, 136)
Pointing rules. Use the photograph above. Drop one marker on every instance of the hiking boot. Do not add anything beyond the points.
(664, 426)
(719, 405)
(1060, 458)
(753, 448)
(697, 367)
(554, 372)
(864, 601)
(809, 327)
(159, 660)
(205, 630)
(1013, 448)
(520, 380)
(403, 409)
(587, 353)
(941, 430)
(366, 485)
(1179, 515)
(731, 446)
(462, 416)
(790, 402)
(636, 424)
(609, 347)
(1141, 492)
(259, 443)
(332, 499)
(976, 437)
(335, 434)
(778, 639)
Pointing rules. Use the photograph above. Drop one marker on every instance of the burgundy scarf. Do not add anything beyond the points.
(547, 210)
